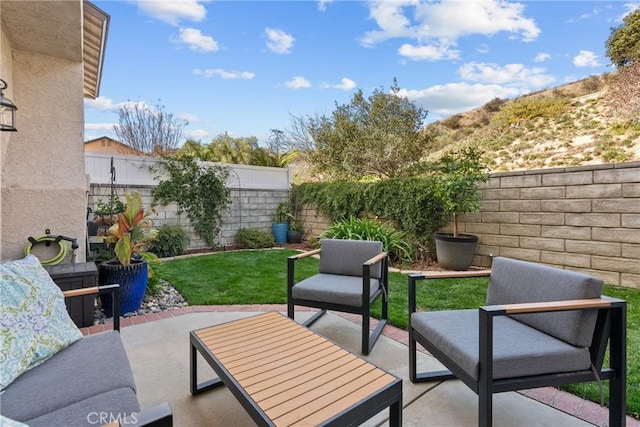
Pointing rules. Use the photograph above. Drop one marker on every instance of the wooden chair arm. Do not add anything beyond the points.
(114, 290)
(541, 307)
(376, 259)
(452, 274)
(305, 254)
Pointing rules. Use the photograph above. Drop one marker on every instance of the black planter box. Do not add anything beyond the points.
(77, 276)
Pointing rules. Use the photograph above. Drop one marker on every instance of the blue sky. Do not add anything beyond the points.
(245, 67)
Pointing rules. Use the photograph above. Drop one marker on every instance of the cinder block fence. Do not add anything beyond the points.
(582, 218)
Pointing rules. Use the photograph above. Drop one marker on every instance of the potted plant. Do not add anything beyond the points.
(280, 226)
(295, 232)
(460, 175)
(129, 239)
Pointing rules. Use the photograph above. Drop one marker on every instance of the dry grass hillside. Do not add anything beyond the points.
(570, 125)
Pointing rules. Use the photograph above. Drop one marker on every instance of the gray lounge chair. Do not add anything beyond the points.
(542, 326)
(352, 275)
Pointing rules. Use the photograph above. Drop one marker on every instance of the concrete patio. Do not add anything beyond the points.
(158, 349)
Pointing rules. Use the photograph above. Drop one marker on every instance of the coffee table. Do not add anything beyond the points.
(283, 374)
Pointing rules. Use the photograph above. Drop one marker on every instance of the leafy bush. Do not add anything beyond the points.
(393, 241)
(252, 238)
(172, 241)
(529, 108)
(410, 204)
(494, 105)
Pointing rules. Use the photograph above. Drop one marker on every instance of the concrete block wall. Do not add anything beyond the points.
(313, 223)
(250, 208)
(583, 218)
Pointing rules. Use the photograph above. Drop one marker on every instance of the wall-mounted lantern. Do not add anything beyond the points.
(7, 111)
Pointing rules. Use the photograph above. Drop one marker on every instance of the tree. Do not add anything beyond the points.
(378, 136)
(149, 129)
(623, 94)
(623, 45)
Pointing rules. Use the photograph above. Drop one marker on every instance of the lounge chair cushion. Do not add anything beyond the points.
(92, 366)
(334, 289)
(345, 257)
(518, 350)
(514, 281)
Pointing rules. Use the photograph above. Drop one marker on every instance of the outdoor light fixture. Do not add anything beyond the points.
(7, 111)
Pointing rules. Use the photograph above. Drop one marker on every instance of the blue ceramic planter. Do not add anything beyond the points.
(132, 280)
(280, 230)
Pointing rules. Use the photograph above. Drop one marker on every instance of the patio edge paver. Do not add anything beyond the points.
(563, 401)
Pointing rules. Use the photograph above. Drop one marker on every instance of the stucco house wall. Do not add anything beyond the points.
(43, 181)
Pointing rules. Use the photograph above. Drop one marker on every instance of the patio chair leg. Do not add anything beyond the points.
(313, 318)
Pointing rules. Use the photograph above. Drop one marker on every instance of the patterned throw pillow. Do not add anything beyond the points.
(34, 323)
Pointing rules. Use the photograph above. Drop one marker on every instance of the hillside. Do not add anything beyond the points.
(570, 125)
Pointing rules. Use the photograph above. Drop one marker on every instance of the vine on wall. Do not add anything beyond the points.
(197, 189)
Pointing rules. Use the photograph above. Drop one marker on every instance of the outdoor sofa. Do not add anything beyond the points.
(79, 381)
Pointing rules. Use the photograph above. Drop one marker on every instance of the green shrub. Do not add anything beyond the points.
(494, 105)
(393, 241)
(525, 109)
(172, 241)
(252, 238)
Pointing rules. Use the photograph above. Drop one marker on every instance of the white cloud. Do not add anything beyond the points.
(100, 126)
(191, 118)
(102, 103)
(279, 41)
(541, 57)
(297, 82)
(322, 4)
(586, 58)
(483, 48)
(437, 26)
(225, 75)
(631, 7)
(431, 53)
(196, 133)
(514, 75)
(445, 100)
(172, 12)
(195, 40)
(345, 84)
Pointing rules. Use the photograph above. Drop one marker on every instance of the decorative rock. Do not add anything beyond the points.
(168, 298)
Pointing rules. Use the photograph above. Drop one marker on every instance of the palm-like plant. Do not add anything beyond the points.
(133, 232)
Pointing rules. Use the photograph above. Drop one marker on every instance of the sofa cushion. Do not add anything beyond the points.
(513, 281)
(518, 350)
(334, 289)
(97, 410)
(34, 322)
(345, 257)
(92, 366)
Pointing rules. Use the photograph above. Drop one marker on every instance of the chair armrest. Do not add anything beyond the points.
(114, 290)
(376, 259)
(414, 277)
(304, 254)
(541, 307)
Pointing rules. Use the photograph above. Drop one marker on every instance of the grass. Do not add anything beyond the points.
(260, 277)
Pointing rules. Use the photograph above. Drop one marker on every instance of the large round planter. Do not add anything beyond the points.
(294, 236)
(132, 280)
(455, 253)
(280, 230)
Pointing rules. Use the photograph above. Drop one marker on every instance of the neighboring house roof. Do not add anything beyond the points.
(104, 144)
(63, 20)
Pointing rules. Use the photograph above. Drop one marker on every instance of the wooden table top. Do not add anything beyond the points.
(292, 374)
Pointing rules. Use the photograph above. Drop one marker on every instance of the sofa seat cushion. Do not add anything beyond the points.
(97, 410)
(518, 349)
(332, 288)
(94, 365)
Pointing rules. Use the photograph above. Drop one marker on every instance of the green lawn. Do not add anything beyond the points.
(260, 277)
